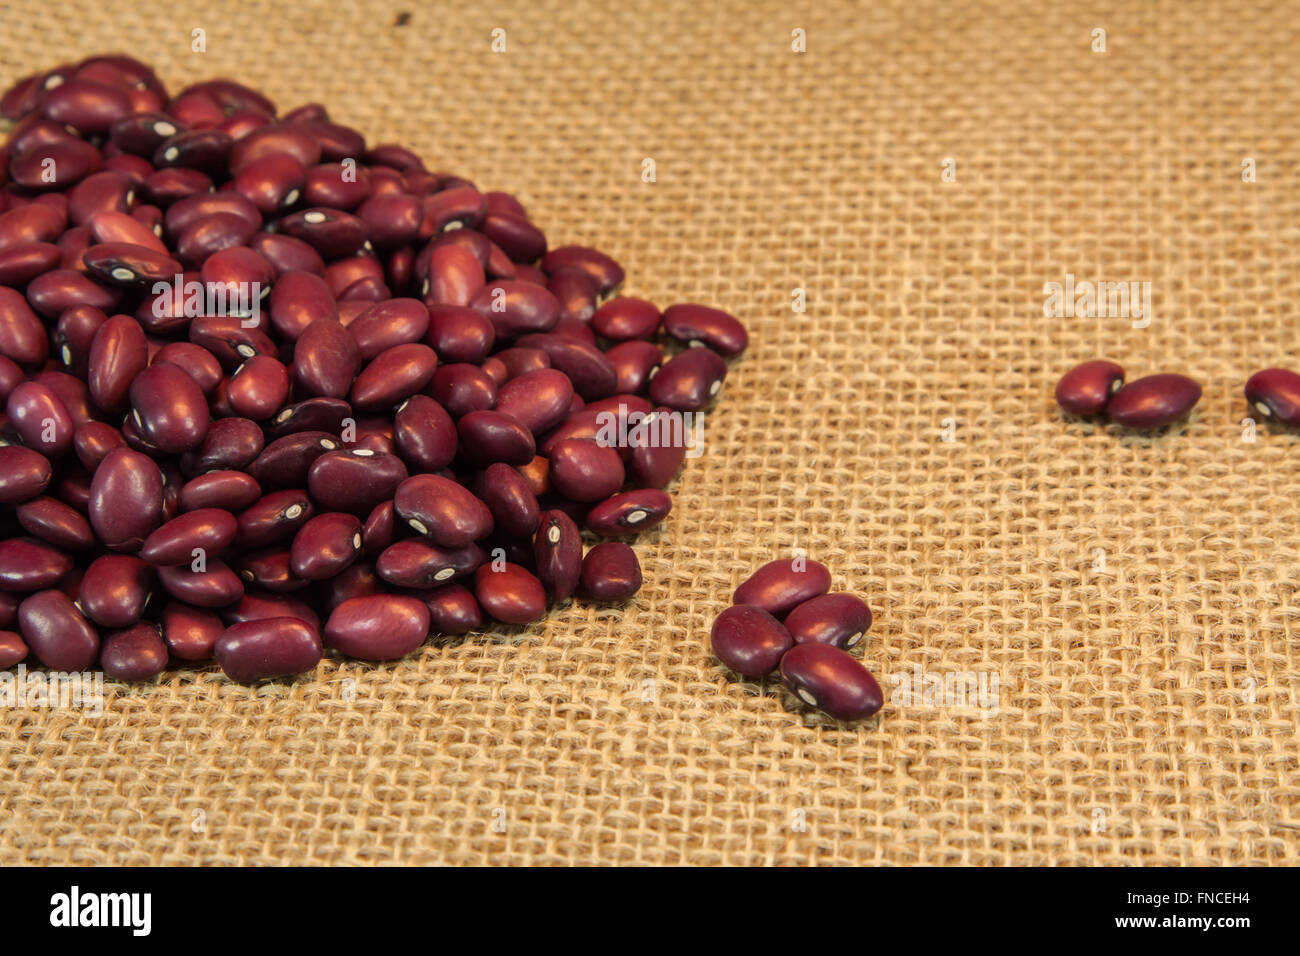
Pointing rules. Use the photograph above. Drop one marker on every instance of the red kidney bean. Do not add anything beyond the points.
(201, 149)
(272, 183)
(380, 627)
(355, 277)
(326, 359)
(24, 261)
(135, 654)
(93, 441)
(515, 308)
(56, 523)
(689, 380)
(167, 186)
(576, 329)
(270, 569)
(115, 590)
(379, 529)
(583, 470)
(425, 435)
(274, 519)
(230, 443)
(488, 437)
(190, 632)
(23, 338)
(334, 186)
(108, 191)
(297, 300)
(268, 648)
(452, 610)
(416, 564)
(749, 640)
(455, 277)
(231, 338)
(634, 362)
(207, 530)
(393, 375)
(169, 408)
(511, 500)
(237, 275)
(35, 222)
(1086, 389)
(24, 474)
(57, 633)
(27, 564)
(600, 422)
(592, 374)
(557, 554)
(331, 232)
(517, 237)
(781, 585)
(118, 354)
(354, 480)
(511, 595)
(624, 319)
(11, 376)
(629, 513)
(257, 606)
(388, 325)
(67, 162)
(443, 510)
(287, 254)
(258, 388)
(210, 235)
(1153, 401)
(285, 140)
(41, 419)
(840, 620)
(214, 587)
(827, 678)
(576, 293)
(312, 414)
(141, 133)
(719, 330)
(228, 490)
(71, 391)
(325, 545)
(196, 110)
(610, 572)
(196, 362)
(110, 226)
(1275, 393)
(539, 400)
(73, 487)
(13, 649)
(607, 273)
(126, 499)
(72, 245)
(461, 204)
(286, 462)
(521, 361)
(391, 220)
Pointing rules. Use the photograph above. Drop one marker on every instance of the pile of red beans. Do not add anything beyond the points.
(394, 434)
(783, 618)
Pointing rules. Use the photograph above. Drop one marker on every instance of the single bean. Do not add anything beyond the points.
(57, 633)
(515, 308)
(583, 470)
(511, 595)
(228, 490)
(462, 388)
(781, 585)
(1086, 389)
(24, 474)
(488, 437)
(720, 331)
(274, 518)
(443, 510)
(209, 531)
(1275, 393)
(190, 632)
(452, 609)
(268, 648)
(115, 590)
(827, 678)
(635, 363)
(610, 572)
(629, 512)
(169, 408)
(354, 480)
(511, 500)
(126, 499)
(259, 388)
(325, 545)
(557, 554)
(381, 627)
(215, 587)
(309, 415)
(135, 654)
(393, 375)
(416, 564)
(539, 400)
(749, 640)
(118, 353)
(22, 336)
(326, 359)
(1153, 401)
(689, 380)
(41, 419)
(56, 523)
(389, 324)
(607, 273)
(425, 435)
(195, 361)
(287, 461)
(27, 564)
(840, 620)
(13, 649)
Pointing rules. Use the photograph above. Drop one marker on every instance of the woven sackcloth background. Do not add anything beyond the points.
(1134, 597)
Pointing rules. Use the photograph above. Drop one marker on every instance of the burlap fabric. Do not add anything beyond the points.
(1135, 597)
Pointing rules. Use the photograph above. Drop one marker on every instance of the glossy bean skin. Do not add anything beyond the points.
(583, 470)
(424, 434)
(274, 518)
(688, 381)
(557, 554)
(462, 388)
(392, 376)
(512, 595)
(326, 359)
(259, 388)
(270, 569)
(453, 609)
(287, 461)
(720, 331)
(354, 481)
(630, 512)
(169, 408)
(230, 443)
(1275, 394)
(196, 362)
(209, 530)
(126, 499)
(259, 605)
(443, 510)
(14, 650)
(57, 633)
(539, 400)
(298, 299)
(56, 523)
(23, 261)
(389, 324)
(309, 415)
(780, 586)
(455, 277)
(190, 633)
(610, 572)
(215, 587)
(228, 490)
(24, 474)
(1086, 389)
(459, 334)
(135, 654)
(625, 319)
(381, 627)
(511, 500)
(118, 354)
(27, 564)
(607, 274)
(325, 546)
(840, 620)
(41, 419)
(657, 455)
(591, 374)
(268, 648)
(129, 265)
(1153, 401)
(749, 640)
(489, 436)
(635, 362)
(115, 590)
(516, 308)
(827, 678)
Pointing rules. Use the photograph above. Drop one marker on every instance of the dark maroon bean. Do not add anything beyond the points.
(326, 359)
(9, 608)
(197, 362)
(593, 375)
(425, 435)
(108, 191)
(331, 232)
(521, 361)
(393, 375)
(64, 162)
(34, 222)
(511, 500)
(325, 545)
(286, 462)
(93, 441)
(211, 234)
(110, 226)
(11, 376)
(287, 254)
(336, 186)
(781, 585)
(238, 277)
(583, 470)
(488, 437)
(381, 627)
(719, 330)
(840, 620)
(190, 632)
(749, 640)
(72, 252)
(41, 419)
(285, 140)
(624, 319)
(230, 443)
(452, 610)
(576, 293)
(1275, 393)
(73, 488)
(140, 134)
(557, 554)
(71, 391)
(167, 186)
(22, 336)
(365, 290)
(23, 97)
(460, 204)
(391, 220)
(115, 590)
(827, 678)
(24, 474)
(274, 518)
(417, 564)
(539, 400)
(268, 648)
(13, 649)
(231, 338)
(135, 654)
(379, 529)
(270, 569)
(1153, 401)
(455, 277)
(57, 633)
(511, 595)
(196, 110)
(312, 414)
(496, 370)
(634, 362)
(571, 328)
(271, 183)
(517, 237)
(515, 308)
(297, 300)
(504, 203)
(259, 605)
(1086, 389)
(258, 388)
(126, 499)
(607, 273)
(389, 324)
(169, 408)
(207, 530)
(214, 587)
(118, 354)
(228, 490)
(445, 511)
(629, 513)
(610, 572)
(24, 261)
(343, 274)
(201, 149)
(354, 480)
(689, 380)
(27, 564)
(56, 523)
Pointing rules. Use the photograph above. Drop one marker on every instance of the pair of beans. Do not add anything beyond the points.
(401, 439)
(783, 618)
